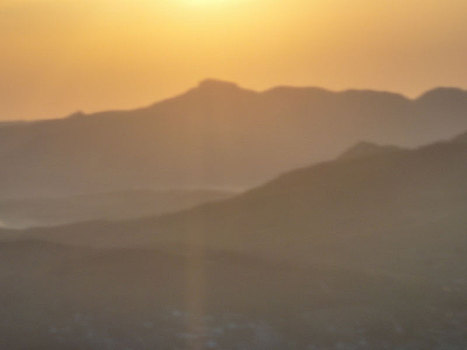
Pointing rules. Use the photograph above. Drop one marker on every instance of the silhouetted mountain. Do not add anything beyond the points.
(27, 212)
(444, 97)
(215, 135)
(367, 149)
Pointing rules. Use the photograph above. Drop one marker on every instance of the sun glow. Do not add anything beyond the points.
(104, 54)
(210, 3)
(206, 2)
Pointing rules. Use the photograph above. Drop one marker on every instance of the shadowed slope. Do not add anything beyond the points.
(363, 253)
(400, 213)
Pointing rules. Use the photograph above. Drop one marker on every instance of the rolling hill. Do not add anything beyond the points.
(400, 213)
(357, 253)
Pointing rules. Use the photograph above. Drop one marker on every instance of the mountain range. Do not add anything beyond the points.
(348, 211)
(365, 251)
(216, 135)
(337, 243)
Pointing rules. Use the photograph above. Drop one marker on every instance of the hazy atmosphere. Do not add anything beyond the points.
(233, 175)
(59, 56)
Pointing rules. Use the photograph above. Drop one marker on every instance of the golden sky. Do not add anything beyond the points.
(58, 56)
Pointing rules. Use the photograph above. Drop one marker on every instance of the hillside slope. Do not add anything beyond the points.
(360, 253)
(399, 213)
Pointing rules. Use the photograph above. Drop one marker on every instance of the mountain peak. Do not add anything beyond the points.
(77, 114)
(213, 88)
(215, 84)
(364, 149)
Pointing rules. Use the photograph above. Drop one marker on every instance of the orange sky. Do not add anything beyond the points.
(58, 56)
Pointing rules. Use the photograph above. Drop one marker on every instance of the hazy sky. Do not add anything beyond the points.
(58, 56)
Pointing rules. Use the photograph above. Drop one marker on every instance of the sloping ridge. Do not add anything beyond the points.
(400, 213)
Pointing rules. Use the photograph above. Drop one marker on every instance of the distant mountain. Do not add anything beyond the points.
(27, 212)
(215, 135)
(367, 149)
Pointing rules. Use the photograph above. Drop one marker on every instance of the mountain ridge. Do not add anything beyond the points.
(212, 83)
(365, 149)
(215, 135)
